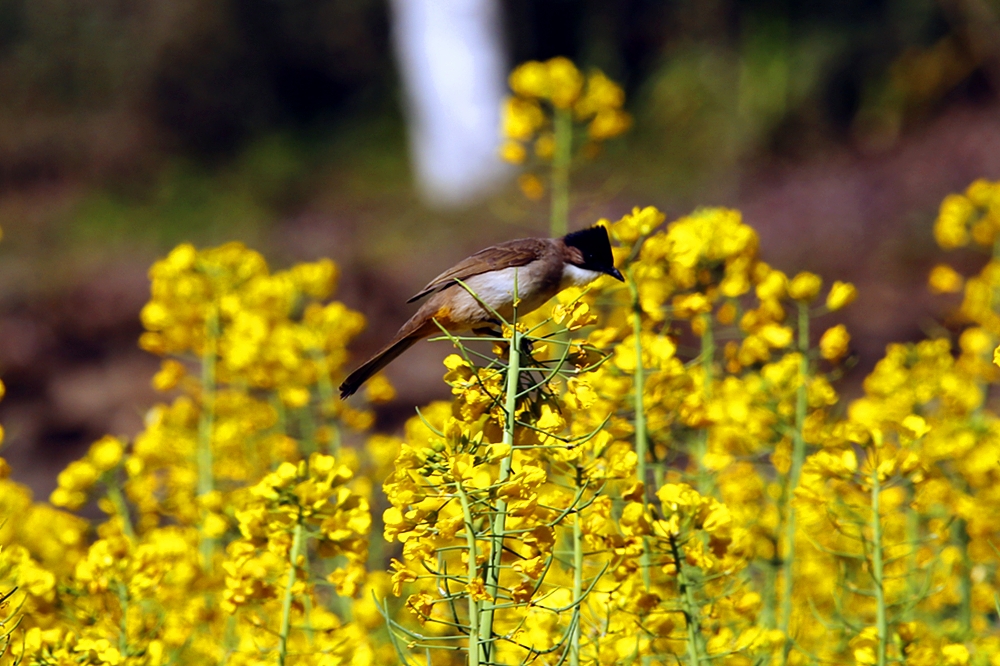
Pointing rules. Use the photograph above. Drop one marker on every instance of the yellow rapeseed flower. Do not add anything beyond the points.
(951, 227)
(841, 294)
(566, 82)
(955, 654)
(944, 279)
(170, 374)
(640, 222)
(602, 94)
(531, 186)
(805, 286)
(531, 79)
(380, 389)
(106, 453)
(545, 145)
(773, 286)
(834, 343)
(513, 152)
(522, 118)
(608, 124)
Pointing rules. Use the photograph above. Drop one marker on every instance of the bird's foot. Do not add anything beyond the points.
(527, 346)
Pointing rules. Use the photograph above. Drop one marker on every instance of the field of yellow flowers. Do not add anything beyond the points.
(668, 477)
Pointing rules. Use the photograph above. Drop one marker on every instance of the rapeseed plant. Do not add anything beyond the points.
(659, 471)
(549, 98)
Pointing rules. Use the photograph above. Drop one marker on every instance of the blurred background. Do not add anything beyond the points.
(366, 131)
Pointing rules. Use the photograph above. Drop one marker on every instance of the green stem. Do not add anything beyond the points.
(335, 439)
(500, 518)
(307, 431)
(795, 471)
(229, 640)
(475, 643)
(206, 481)
(286, 603)
(308, 603)
(707, 364)
(881, 621)
(768, 615)
(123, 636)
(960, 536)
(641, 436)
(689, 605)
(574, 655)
(327, 395)
(561, 160)
(912, 538)
(121, 508)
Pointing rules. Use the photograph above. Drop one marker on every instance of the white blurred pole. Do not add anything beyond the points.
(453, 69)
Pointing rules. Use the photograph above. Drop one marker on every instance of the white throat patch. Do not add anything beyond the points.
(578, 277)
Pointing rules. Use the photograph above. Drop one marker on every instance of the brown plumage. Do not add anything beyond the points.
(505, 255)
(541, 267)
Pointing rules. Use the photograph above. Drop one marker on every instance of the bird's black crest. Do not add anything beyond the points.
(595, 245)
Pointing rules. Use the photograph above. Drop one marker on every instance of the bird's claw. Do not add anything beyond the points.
(526, 346)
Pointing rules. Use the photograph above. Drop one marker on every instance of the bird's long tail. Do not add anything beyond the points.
(381, 359)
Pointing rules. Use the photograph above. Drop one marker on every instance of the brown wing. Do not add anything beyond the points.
(504, 255)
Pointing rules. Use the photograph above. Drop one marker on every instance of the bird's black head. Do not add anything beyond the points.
(595, 246)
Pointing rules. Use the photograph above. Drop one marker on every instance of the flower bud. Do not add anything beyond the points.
(841, 294)
(805, 286)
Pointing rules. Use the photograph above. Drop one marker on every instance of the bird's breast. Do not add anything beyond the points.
(497, 288)
(535, 284)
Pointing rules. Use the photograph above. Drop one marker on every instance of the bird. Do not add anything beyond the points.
(542, 267)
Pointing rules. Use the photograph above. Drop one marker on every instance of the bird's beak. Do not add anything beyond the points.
(616, 274)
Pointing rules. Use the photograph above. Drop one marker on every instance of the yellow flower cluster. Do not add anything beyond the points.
(237, 528)
(105, 455)
(286, 507)
(669, 477)
(573, 466)
(226, 303)
(633, 500)
(593, 99)
(549, 97)
(973, 215)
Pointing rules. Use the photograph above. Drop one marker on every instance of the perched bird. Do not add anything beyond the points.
(544, 267)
